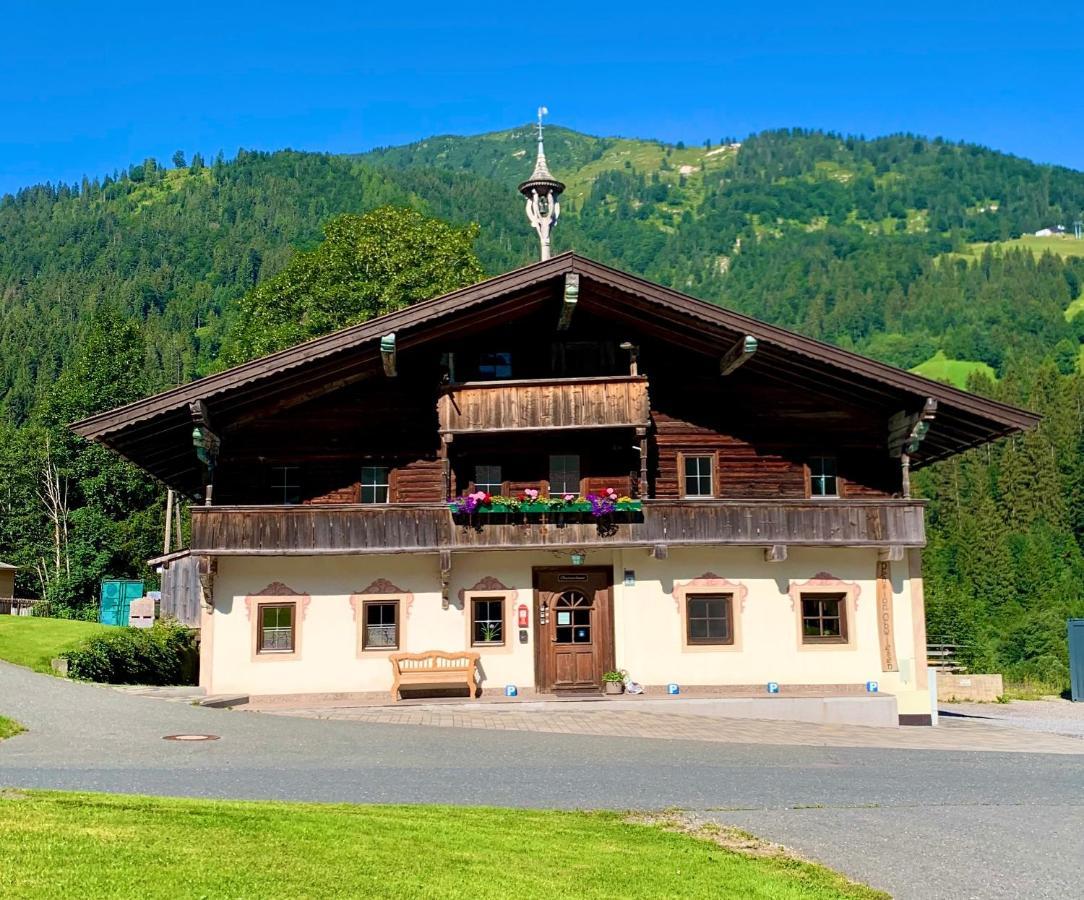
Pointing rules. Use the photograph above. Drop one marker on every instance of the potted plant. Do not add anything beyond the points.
(614, 682)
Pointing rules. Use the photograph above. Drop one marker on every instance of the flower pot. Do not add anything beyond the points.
(613, 687)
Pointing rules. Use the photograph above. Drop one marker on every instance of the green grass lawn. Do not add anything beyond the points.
(1060, 246)
(955, 371)
(9, 728)
(32, 642)
(87, 845)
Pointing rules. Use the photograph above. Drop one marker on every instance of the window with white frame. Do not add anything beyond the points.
(564, 473)
(374, 484)
(488, 479)
(698, 476)
(822, 477)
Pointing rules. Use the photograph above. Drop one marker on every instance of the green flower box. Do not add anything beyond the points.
(546, 508)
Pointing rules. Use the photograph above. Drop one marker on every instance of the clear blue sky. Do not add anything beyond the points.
(88, 88)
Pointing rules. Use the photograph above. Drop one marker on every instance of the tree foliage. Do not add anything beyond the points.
(366, 266)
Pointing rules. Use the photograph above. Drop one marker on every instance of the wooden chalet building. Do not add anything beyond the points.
(768, 533)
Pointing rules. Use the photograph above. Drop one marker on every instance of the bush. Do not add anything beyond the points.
(164, 654)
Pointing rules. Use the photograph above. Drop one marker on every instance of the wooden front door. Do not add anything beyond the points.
(574, 628)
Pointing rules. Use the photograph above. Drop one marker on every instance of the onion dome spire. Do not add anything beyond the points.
(542, 191)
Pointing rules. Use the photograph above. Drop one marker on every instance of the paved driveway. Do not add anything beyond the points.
(919, 823)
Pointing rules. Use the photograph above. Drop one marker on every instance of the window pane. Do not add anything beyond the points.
(698, 628)
(495, 365)
(822, 476)
(381, 625)
(488, 479)
(564, 634)
(564, 473)
(286, 484)
(374, 484)
(488, 621)
(698, 476)
(276, 629)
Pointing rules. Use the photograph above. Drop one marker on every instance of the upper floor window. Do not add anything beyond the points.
(286, 484)
(698, 476)
(564, 473)
(374, 484)
(822, 477)
(494, 365)
(488, 479)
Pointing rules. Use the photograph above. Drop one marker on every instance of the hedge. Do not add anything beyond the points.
(166, 653)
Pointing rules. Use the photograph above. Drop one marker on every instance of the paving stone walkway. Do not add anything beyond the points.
(688, 725)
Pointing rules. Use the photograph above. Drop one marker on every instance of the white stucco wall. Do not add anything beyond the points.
(648, 626)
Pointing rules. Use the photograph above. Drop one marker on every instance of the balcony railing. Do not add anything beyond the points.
(401, 528)
(486, 406)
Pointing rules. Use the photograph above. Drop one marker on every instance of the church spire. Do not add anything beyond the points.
(542, 191)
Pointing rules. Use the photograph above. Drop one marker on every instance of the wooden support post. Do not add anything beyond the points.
(775, 553)
(388, 355)
(738, 354)
(167, 543)
(890, 554)
(660, 551)
(644, 490)
(905, 475)
(207, 568)
(207, 444)
(446, 464)
(568, 303)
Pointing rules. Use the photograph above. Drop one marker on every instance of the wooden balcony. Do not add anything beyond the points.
(401, 528)
(487, 406)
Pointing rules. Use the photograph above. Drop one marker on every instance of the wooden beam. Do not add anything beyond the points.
(568, 303)
(775, 553)
(738, 354)
(660, 551)
(890, 554)
(906, 430)
(387, 354)
(445, 576)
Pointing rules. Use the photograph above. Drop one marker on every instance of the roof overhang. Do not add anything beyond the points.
(155, 433)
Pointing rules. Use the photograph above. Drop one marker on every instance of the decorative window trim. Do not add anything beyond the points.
(380, 591)
(710, 583)
(827, 583)
(490, 588)
(276, 594)
(690, 454)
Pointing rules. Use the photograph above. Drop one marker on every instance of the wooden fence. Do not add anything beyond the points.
(20, 606)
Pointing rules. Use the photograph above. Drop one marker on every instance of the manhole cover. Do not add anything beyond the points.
(190, 737)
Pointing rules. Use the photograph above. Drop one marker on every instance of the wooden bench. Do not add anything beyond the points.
(434, 668)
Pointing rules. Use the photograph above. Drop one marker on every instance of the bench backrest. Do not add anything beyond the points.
(433, 661)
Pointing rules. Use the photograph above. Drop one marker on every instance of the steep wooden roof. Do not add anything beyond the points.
(155, 433)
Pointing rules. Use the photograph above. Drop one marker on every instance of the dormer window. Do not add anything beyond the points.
(822, 477)
(495, 365)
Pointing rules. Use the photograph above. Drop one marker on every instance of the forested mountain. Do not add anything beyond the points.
(871, 244)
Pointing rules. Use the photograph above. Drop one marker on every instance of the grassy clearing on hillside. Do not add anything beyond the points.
(32, 642)
(86, 845)
(1060, 246)
(9, 728)
(954, 371)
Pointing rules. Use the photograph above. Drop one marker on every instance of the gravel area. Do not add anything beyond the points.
(1048, 716)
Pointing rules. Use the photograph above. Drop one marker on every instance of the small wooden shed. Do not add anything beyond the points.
(7, 580)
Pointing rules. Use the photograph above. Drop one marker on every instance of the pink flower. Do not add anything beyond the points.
(569, 498)
(532, 493)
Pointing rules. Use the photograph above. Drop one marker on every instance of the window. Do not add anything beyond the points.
(276, 634)
(493, 366)
(822, 477)
(488, 479)
(698, 476)
(564, 474)
(374, 484)
(709, 619)
(487, 620)
(286, 484)
(824, 619)
(573, 618)
(381, 625)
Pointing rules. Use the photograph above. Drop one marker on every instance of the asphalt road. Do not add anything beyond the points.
(919, 824)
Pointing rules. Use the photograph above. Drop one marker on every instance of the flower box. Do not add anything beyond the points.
(544, 508)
